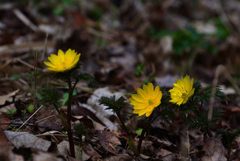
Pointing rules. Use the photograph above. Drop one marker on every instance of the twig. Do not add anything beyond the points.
(45, 46)
(35, 78)
(188, 142)
(24, 19)
(219, 69)
(69, 115)
(227, 25)
(228, 76)
(44, 119)
(61, 135)
(19, 60)
(29, 118)
(24, 47)
(24, 63)
(215, 81)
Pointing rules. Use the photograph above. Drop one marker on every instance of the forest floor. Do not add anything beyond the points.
(123, 44)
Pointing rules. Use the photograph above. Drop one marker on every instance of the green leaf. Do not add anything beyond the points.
(201, 121)
(11, 112)
(50, 95)
(132, 145)
(222, 32)
(139, 69)
(139, 131)
(230, 135)
(80, 130)
(65, 99)
(31, 108)
(197, 86)
(23, 112)
(14, 77)
(184, 39)
(85, 77)
(206, 95)
(112, 103)
(38, 95)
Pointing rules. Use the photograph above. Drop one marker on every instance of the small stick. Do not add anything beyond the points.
(24, 63)
(29, 118)
(188, 142)
(24, 19)
(215, 81)
(228, 25)
(44, 119)
(44, 48)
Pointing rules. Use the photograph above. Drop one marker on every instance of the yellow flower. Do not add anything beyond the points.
(63, 62)
(146, 100)
(182, 90)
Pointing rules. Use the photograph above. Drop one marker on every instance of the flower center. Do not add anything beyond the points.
(184, 96)
(150, 101)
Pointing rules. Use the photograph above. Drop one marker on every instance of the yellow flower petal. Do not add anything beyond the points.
(49, 64)
(182, 90)
(137, 97)
(141, 93)
(61, 54)
(63, 62)
(146, 99)
(150, 88)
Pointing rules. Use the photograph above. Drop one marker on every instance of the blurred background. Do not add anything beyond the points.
(125, 42)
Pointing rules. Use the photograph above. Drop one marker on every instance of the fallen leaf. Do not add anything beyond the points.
(99, 115)
(214, 151)
(63, 149)
(24, 139)
(83, 110)
(43, 156)
(91, 152)
(108, 141)
(93, 101)
(3, 139)
(120, 157)
(5, 121)
(6, 154)
(4, 98)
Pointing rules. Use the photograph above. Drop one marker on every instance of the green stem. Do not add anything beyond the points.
(209, 132)
(69, 114)
(12, 120)
(201, 106)
(229, 151)
(123, 125)
(143, 132)
(80, 139)
(130, 140)
(61, 117)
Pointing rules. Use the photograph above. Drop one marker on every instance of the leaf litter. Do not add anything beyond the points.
(114, 38)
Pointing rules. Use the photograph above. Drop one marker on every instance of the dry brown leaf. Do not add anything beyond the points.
(24, 139)
(43, 156)
(107, 139)
(63, 149)
(120, 157)
(24, 47)
(5, 121)
(4, 98)
(214, 151)
(6, 154)
(4, 140)
(91, 152)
